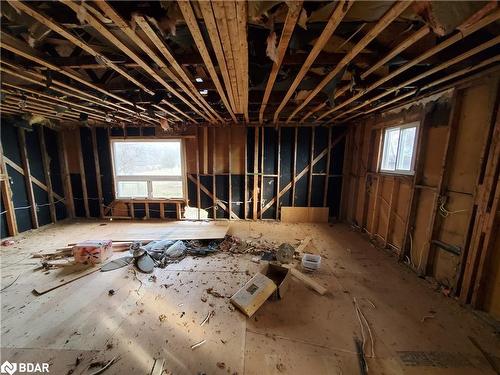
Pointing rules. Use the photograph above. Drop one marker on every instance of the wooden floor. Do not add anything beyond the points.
(302, 334)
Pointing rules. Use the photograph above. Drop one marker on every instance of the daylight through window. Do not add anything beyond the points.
(398, 149)
(148, 169)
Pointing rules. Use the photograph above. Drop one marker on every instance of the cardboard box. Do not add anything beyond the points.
(92, 251)
(272, 282)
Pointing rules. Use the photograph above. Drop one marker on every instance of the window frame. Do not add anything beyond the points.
(411, 172)
(148, 178)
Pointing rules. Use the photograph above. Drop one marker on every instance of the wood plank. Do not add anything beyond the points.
(245, 193)
(278, 176)
(64, 278)
(304, 214)
(311, 158)
(214, 175)
(294, 173)
(7, 203)
(102, 30)
(255, 193)
(429, 53)
(242, 19)
(320, 289)
(294, 10)
(46, 172)
(97, 172)
(27, 176)
(83, 177)
(262, 153)
(337, 15)
(192, 23)
(198, 196)
(59, 29)
(412, 39)
(446, 64)
(230, 183)
(327, 178)
(163, 48)
(63, 159)
(211, 26)
(213, 197)
(394, 12)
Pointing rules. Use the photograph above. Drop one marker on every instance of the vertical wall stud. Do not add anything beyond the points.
(198, 195)
(8, 204)
(245, 193)
(327, 175)
(98, 171)
(214, 175)
(68, 191)
(46, 171)
(27, 177)
(255, 194)
(262, 153)
(278, 175)
(294, 164)
(230, 198)
(82, 175)
(311, 167)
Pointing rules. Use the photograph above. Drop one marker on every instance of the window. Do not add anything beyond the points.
(148, 168)
(398, 149)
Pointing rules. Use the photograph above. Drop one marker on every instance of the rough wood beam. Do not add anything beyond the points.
(16, 46)
(429, 53)
(76, 41)
(192, 24)
(27, 176)
(338, 14)
(46, 171)
(97, 171)
(163, 48)
(294, 10)
(102, 30)
(66, 177)
(8, 204)
(219, 14)
(40, 80)
(384, 21)
(412, 39)
(242, 17)
(211, 26)
(83, 178)
(489, 44)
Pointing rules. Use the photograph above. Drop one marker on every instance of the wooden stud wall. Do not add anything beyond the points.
(440, 219)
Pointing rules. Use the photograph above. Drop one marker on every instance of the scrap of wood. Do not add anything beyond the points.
(307, 280)
(39, 290)
(303, 244)
(158, 366)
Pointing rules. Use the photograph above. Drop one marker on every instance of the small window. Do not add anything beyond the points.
(148, 168)
(398, 149)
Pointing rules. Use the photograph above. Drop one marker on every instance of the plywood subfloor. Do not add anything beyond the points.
(302, 334)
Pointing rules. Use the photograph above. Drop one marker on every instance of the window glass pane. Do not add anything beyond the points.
(132, 189)
(406, 142)
(389, 152)
(147, 158)
(167, 189)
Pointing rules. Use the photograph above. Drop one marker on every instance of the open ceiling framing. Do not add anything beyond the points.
(234, 62)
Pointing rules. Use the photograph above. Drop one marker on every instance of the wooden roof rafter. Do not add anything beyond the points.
(492, 17)
(110, 37)
(294, 10)
(394, 12)
(192, 24)
(336, 17)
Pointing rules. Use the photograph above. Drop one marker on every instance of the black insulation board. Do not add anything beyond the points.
(286, 159)
(3, 220)
(222, 188)
(10, 146)
(43, 209)
(76, 187)
(320, 144)
(139, 210)
(117, 132)
(192, 194)
(34, 154)
(269, 192)
(238, 194)
(51, 142)
(270, 150)
(104, 152)
(334, 194)
(133, 131)
(89, 166)
(148, 131)
(154, 210)
(206, 201)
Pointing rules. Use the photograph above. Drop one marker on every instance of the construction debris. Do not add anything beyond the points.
(194, 346)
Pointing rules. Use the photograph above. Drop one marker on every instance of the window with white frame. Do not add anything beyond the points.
(148, 168)
(398, 149)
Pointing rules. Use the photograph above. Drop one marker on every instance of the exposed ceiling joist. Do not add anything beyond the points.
(337, 15)
(192, 23)
(495, 16)
(383, 22)
(294, 10)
